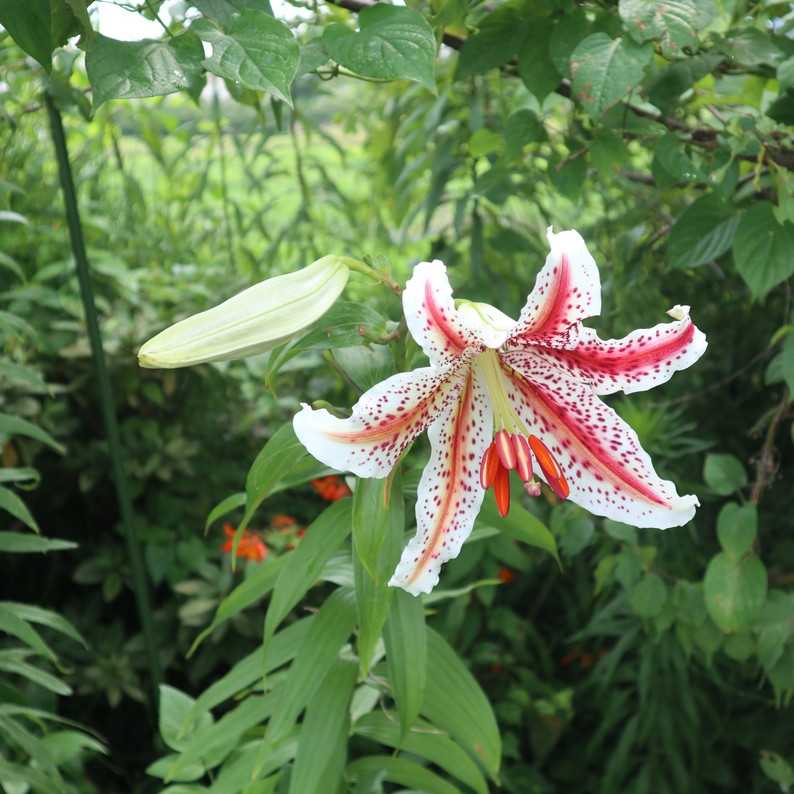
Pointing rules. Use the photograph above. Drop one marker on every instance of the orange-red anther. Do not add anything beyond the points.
(550, 468)
(489, 467)
(501, 490)
(523, 457)
(504, 446)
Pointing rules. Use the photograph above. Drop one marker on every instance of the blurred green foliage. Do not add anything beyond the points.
(647, 661)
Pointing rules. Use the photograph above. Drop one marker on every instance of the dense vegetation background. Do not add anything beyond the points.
(236, 145)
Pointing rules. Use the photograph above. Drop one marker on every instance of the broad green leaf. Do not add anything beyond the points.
(322, 745)
(44, 617)
(259, 582)
(674, 23)
(455, 703)
(777, 769)
(392, 43)
(282, 648)
(10, 502)
(304, 565)
(15, 733)
(762, 249)
(785, 74)
(378, 534)
(328, 632)
(752, 47)
(144, 68)
(499, 39)
(648, 596)
(426, 742)
(519, 524)
(256, 50)
(16, 426)
(736, 528)
(734, 590)
(702, 233)
(724, 474)
(535, 66)
(22, 543)
(178, 718)
(521, 128)
(401, 770)
(29, 25)
(787, 361)
(224, 11)
(569, 30)
(405, 638)
(604, 70)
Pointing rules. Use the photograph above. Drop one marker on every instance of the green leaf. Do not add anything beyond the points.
(256, 50)
(405, 638)
(330, 629)
(11, 662)
(604, 70)
(455, 703)
(674, 23)
(736, 528)
(15, 426)
(702, 233)
(22, 543)
(29, 26)
(787, 361)
(144, 68)
(12, 623)
(752, 47)
(425, 742)
(519, 524)
(322, 746)
(762, 249)
(282, 648)
(521, 128)
(224, 11)
(10, 502)
(500, 36)
(648, 596)
(304, 565)
(777, 769)
(392, 43)
(378, 534)
(535, 66)
(724, 474)
(785, 74)
(259, 582)
(401, 770)
(44, 617)
(734, 590)
(570, 29)
(224, 507)
(178, 718)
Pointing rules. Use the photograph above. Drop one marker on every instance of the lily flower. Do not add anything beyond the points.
(251, 546)
(503, 394)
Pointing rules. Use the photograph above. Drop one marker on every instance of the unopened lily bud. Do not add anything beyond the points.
(255, 320)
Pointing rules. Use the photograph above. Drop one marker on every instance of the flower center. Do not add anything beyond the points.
(513, 446)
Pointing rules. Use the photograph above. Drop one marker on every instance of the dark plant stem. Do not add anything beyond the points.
(139, 580)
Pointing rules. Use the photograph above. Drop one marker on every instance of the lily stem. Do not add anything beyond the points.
(139, 580)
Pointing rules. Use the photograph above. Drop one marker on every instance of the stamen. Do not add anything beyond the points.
(532, 488)
(504, 446)
(550, 468)
(523, 457)
(501, 491)
(489, 467)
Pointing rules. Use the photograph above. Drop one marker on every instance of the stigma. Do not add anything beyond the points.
(510, 451)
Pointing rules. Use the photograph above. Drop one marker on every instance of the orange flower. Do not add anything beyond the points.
(331, 488)
(505, 575)
(251, 546)
(282, 521)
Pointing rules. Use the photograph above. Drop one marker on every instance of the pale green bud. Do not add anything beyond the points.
(253, 321)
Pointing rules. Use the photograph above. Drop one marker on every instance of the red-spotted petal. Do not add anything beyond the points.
(385, 420)
(600, 456)
(639, 361)
(434, 322)
(450, 494)
(567, 290)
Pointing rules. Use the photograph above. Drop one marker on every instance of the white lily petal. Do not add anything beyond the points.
(253, 321)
